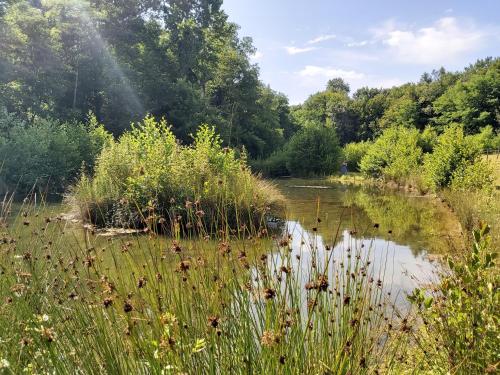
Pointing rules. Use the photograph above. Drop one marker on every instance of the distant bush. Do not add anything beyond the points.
(488, 139)
(147, 178)
(273, 166)
(313, 151)
(452, 155)
(354, 152)
(476, 176)
(395, 155)
(46, 154)
(428, 139)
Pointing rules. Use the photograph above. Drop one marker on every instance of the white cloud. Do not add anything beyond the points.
(440, 43)
(297, 50)
(359, 44)
(329, 72)
(322, 38)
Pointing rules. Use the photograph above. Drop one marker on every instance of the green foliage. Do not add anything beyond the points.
(395, 155)
(313, 151)
(354, 152)
(183, 61)
(460, 334)
(453, 152)
(401, 112)
(273, 166)
(488, 139)
(474, 100)
(147, 169)
(47, 154)
(476, 176)
(428, 139)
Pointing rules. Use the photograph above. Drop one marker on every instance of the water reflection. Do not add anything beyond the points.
(393, 231)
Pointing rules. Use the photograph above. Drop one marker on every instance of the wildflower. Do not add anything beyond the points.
(200, 213)
(175, 247)
(322, 283)
(347, 299)
(224, 248)
(141, 282)
(48, 334)
(269, 293)
(107, 302)
(213, 321)
(4, 363)
(376, 225)
(127, 306)
(269, 339)
(282, 359)
(189, 204)
(284, 269)
(184, 266)
(284, 242)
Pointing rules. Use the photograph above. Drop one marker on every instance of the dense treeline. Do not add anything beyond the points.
(469, 99)
(182, 60)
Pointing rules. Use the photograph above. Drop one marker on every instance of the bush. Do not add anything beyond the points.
(488, 139)
(273, 166)
(354, 152)
(313, 151)
(147, 179)
(476, 176)
(453, 152)
(45, 153)
(460, 334)
(395, 155)
(428, 139)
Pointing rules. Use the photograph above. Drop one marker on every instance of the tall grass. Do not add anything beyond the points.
(147, 170)
(231, 302)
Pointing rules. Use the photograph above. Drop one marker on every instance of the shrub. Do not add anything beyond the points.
(476, 176)
(46, 153)
(147, 178)
(395, 155)
(488, 139)
(428, 139)
(354, 152)
(313, 150)
(453, 152)
(460, 334)
(273, 166)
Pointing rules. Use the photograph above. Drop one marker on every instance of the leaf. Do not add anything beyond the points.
(428, 302)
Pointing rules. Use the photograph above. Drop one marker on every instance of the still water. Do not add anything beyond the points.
(401, 235)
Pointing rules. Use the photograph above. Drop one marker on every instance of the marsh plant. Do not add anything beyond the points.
(234, 302)
(147, 170)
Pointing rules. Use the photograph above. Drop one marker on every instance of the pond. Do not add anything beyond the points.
(402, 235)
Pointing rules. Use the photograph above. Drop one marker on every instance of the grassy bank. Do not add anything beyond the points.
(147, 179)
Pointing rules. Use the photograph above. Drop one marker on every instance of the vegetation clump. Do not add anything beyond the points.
(46, 154)
(148, 179)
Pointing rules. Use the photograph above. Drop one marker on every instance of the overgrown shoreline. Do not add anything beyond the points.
(147, 179)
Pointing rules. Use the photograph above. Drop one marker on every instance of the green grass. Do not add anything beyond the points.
(232, 302)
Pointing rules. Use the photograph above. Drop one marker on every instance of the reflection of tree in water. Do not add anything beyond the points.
(416, 222)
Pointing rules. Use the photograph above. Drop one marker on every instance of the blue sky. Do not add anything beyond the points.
(376, 43)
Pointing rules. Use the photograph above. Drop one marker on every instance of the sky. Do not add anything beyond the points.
(301, 44)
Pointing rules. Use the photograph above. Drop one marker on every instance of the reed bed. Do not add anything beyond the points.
(237, 301)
